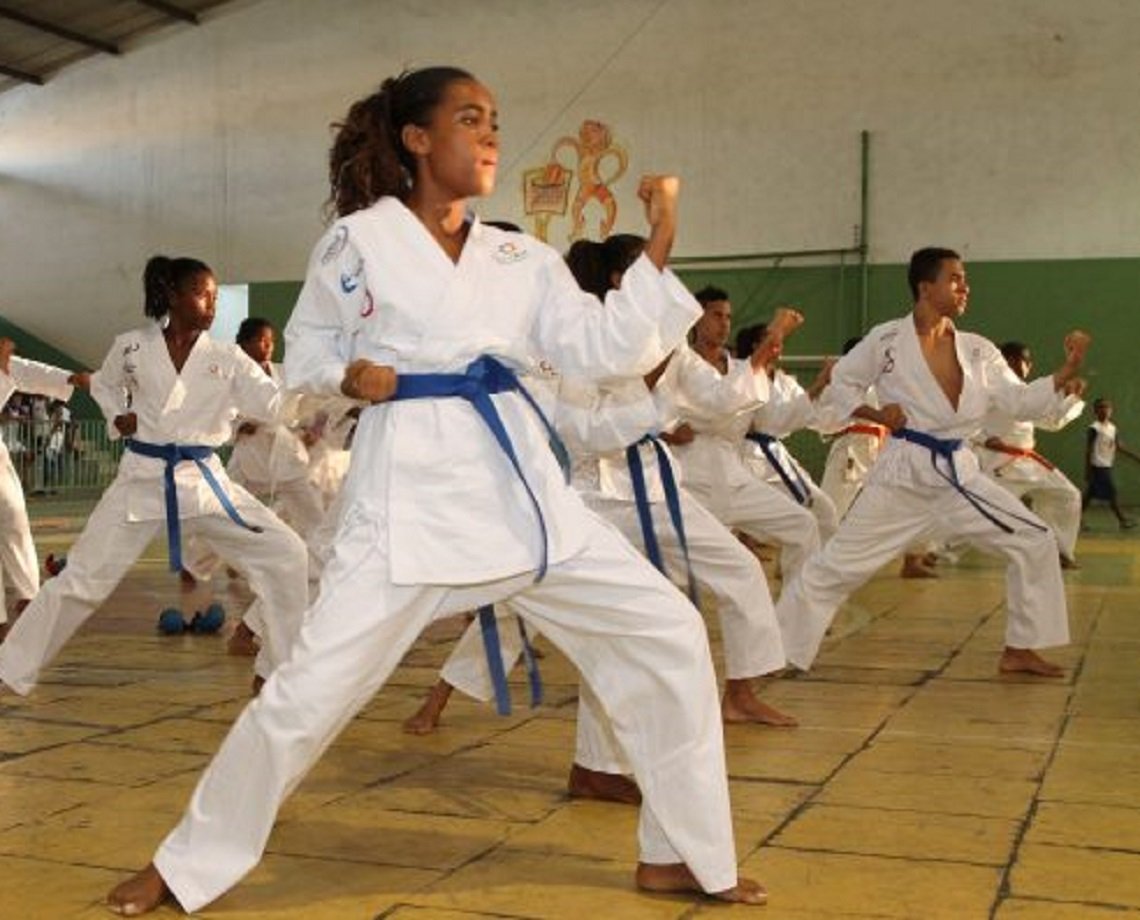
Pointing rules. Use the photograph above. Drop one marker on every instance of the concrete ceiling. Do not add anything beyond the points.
(38, 38)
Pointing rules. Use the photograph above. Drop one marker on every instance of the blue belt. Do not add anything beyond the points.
(799, 489)
(485, 376)
(672, 502)
(946, 448)
(173, 454)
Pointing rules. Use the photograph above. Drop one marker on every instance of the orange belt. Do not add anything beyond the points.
(1023, 452)
(878, 431)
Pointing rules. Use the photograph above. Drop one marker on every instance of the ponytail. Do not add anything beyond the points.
(368, 159)
(593, 265)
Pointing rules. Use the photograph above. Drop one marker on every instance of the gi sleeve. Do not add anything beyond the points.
(852, 375)
(639, 324)
(691, 382)
(41, 379)
(318, 336)
(257, 396)
(594, 420)
(789, 408)
(1010, 395)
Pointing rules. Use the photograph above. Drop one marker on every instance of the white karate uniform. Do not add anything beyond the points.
(19, 565)
(718, 407)
(597, 424)
(853, 451)
(906, 500)
(1055, 499)
(272, 461)
(436, 521)
(789, 408)
(194, 407)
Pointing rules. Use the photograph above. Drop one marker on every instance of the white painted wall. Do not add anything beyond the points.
(1010, 128)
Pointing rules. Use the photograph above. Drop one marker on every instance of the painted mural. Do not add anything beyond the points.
(578, 176)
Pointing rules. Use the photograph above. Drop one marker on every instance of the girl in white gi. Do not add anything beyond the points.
(1007, 454)
(789, 408)
(454, 498)
(600, 424)
(173, 393)
(936, 384)
(19, 566)
(715, 397)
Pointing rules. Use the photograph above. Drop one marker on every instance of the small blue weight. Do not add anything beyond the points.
(170, 622)
(211, 620)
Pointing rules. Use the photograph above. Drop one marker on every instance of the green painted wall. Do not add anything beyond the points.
(36, 349)
(274, 300)
(1034, 301)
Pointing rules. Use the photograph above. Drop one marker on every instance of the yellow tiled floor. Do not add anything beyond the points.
(920, 784)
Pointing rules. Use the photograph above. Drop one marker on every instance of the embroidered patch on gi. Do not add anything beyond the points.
(336, 247)
(889, 359)
(508, 252)
(350, 281)
(369, 305)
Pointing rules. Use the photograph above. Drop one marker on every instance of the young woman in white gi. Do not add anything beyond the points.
(456, 501)
(169, 389)
(19, 565)
(715, 396)
(598, 423)
(936, 384)
(1008, 455)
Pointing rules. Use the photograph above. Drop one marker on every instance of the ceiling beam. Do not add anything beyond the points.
(51, 28)
(22, 75)
(169, 9)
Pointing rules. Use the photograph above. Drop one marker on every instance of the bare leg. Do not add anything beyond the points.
(425, 720)
(584, 783)
(243, 642)
(915, 566)
(676, 878)
(140, 894)
(1027, 661)
(740, 704)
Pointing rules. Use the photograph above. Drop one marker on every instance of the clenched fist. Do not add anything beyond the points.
(367, 381)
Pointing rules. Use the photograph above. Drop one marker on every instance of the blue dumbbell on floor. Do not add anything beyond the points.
(172, 623)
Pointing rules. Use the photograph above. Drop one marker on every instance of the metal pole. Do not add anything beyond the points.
(864, 234)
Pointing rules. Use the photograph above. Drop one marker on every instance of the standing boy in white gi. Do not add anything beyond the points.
(936, 385)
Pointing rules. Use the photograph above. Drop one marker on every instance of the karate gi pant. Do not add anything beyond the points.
(273, 561)
(19, 565)
(766, 514)
(821, 507)
(721, 565)
(885, 519)
(1056, 501)
(638, 643)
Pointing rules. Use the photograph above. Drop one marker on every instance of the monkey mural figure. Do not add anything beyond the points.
(548, 187)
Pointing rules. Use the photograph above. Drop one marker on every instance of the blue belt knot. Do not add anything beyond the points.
(172, 455)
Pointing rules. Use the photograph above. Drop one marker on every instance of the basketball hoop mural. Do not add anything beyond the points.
(546, 189)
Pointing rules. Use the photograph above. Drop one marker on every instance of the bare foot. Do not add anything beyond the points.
(1027, 661)
(140, 894)
(1069, 563)
(425, 720)
(255, 687)
(740, 704)
(243, 642)
(675, 878)
(605, 787)
(914, 566)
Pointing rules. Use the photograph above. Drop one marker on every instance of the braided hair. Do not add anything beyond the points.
(162, 277)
